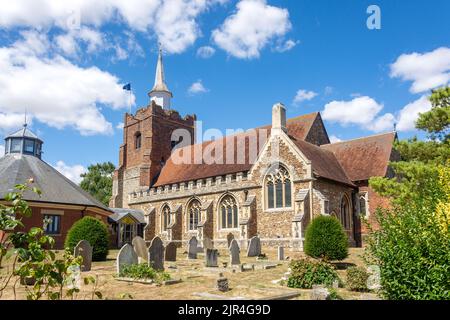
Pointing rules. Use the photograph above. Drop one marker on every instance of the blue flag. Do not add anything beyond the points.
(127, 87)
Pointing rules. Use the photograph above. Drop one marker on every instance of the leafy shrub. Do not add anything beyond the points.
(357, 279)
(334, 295)
(326, 239)
(92, 230)
(143, 271)
(307, 272)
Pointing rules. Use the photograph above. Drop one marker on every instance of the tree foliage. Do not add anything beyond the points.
(98, 181)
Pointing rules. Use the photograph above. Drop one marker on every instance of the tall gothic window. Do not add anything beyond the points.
(345, 212)
(228, 213)
(279, 188)
(165, 216)
(194, 214)
(138, 140)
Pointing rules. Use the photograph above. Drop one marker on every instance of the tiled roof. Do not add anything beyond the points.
(364, 157)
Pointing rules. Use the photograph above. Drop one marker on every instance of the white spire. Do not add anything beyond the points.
(160, 92)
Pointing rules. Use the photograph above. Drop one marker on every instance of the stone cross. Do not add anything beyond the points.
(280, 253)
(192, 248)
(254, 247)
(234, 253)
(211, 257)
(84, 249)
(140, 247)
(156, 254)
(126, 256)
(171, 252)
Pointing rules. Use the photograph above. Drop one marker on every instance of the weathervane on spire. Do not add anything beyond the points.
(160, 93)
(25, 121)
(395, 126)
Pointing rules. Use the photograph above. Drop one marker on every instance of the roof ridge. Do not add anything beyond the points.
(360, 138)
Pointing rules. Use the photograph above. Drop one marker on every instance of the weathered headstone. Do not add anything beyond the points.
(192, 248)
(171, 252)
(84, 249)
(319, 292)
(280, 253)
(140, 247)
(211, 257)
(207, 243)
(156, 254)
(126, 256)
(230, 237)
(254, 247)
(222, 284)
(234, 253)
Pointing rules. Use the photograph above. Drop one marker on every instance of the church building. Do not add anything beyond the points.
(270, 181)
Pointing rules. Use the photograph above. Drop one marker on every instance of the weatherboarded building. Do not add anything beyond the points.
(269, 181)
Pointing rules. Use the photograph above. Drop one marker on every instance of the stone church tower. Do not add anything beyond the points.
(147, 141)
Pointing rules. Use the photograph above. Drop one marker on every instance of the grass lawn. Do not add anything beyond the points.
(199, 282)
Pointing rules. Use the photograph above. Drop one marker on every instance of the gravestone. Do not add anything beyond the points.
(320, 292)
(254, 247)
(222, 284)
(280, 253)
(207, 243)
(192, 248)
(230, 237)
(140, 247)
(171, 252)
(211, 257)
(84, 249)
(234, 253)
(156, 254)
(126, 256)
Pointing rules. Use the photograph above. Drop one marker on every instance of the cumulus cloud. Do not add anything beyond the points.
(54, 90)
(71, 172)
(426, 70)
(68, 43)
(410, 113)
(205, 52)
(250, 28)
(286, 46)
(10, 122)
(2, 150)
(334, 139)
(197, 87)
(304, 95)
(120, 126)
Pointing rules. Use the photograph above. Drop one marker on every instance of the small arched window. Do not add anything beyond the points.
(194, 214)
(138, 140)
(345, 212)
(278, 188)
(363, 204)
(228, 213)
(165, 217)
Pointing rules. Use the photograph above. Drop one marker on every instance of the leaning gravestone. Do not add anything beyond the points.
(254, 247)
(127, 256)
(192, 248)
(156, 254)
(140, 247)
(84, 249)
(230, 237)
(234, 253)
(171, 252)
(207, 243)
(211, 257)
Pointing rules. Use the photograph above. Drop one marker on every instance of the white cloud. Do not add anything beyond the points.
(205, 52)
(286, 46)
(55, 91)
(10, 122)
(410, 113)
(427, 71)
(68, 43)
(334, 139)
(250, 28)
(2, 150)
(71, 172)
(197, 87)
(304, 95)
(120, 126)
(382, 123)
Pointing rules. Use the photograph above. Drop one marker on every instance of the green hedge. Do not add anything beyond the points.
(307, 272)
(357, 279)
(326, 239)
(92, 230)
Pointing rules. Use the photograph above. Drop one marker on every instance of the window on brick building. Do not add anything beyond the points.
(345, 212)
(194, 214)
(278, 188)
(229, 213)
(138, 140)
(52, 223)
(363, 204)
(165, 216)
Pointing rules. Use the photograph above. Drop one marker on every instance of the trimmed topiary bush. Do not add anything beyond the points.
(307, 272)
(92, 230)
(326, 239)
(357, 279)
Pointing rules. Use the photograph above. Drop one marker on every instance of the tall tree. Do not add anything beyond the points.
(98, 181)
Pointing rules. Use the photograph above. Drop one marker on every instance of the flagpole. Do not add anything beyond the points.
(129, 100)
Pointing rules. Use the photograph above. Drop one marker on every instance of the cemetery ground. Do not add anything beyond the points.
(199, 282)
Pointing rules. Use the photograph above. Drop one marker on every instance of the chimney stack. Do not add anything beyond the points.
(278, 118)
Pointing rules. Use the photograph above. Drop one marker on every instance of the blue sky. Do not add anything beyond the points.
(67, 65)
